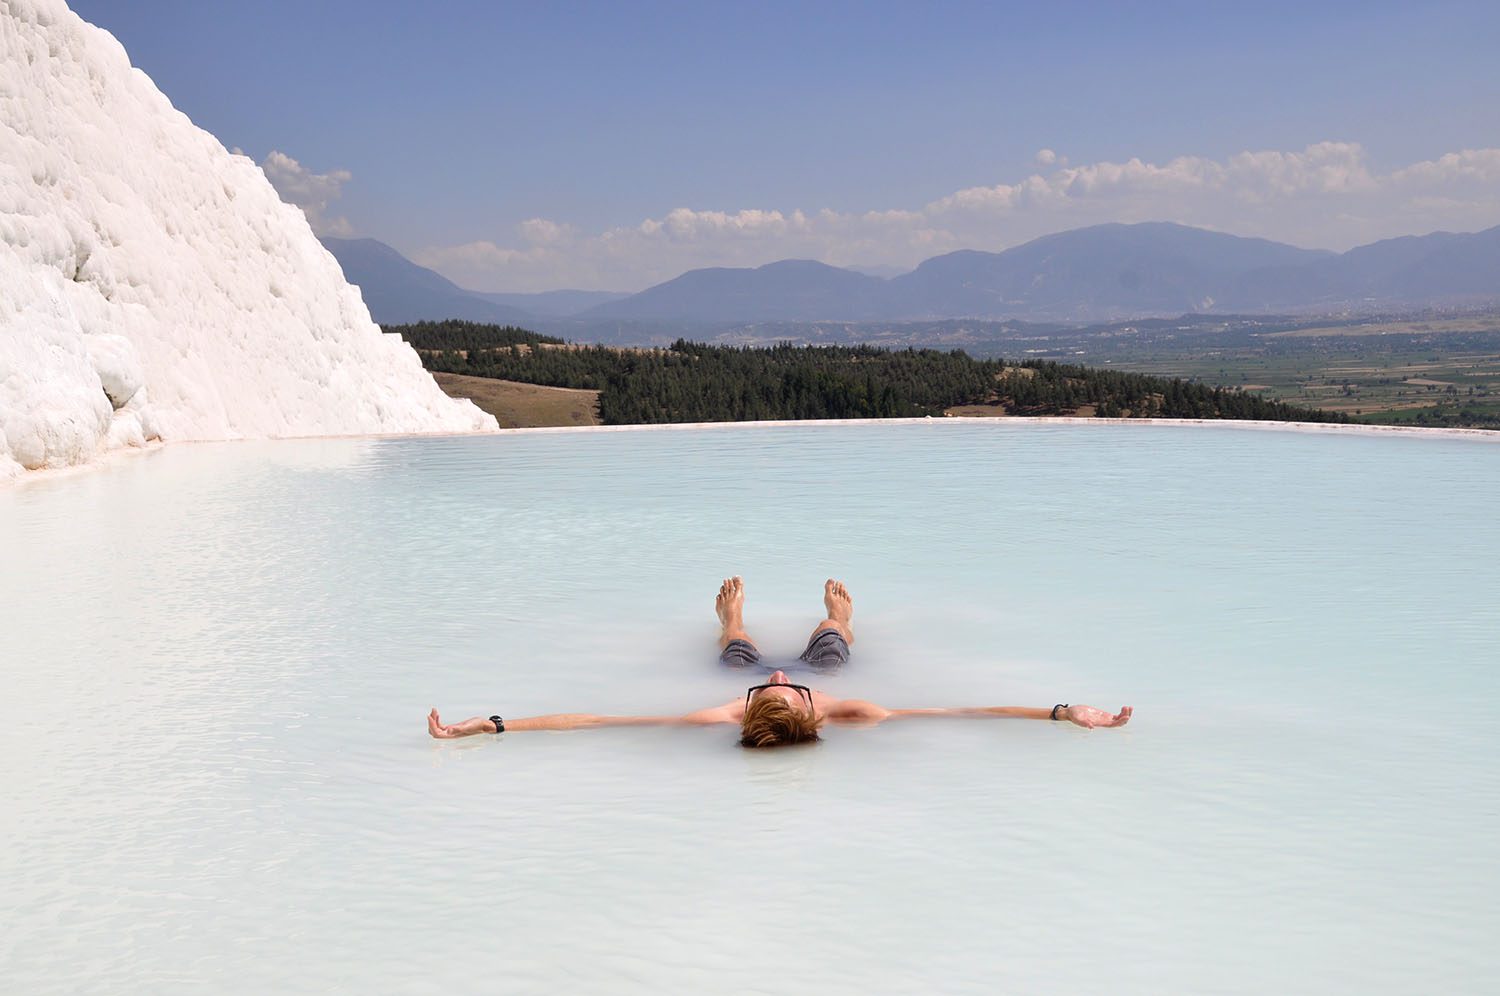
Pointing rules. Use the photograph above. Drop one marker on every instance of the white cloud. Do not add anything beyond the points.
(1472, 166)
(1326, 195)
(312, 192)
(541, 232)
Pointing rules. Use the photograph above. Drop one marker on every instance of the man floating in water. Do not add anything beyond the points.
(778, 712)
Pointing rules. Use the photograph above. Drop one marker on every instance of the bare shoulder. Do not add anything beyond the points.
(856, 711)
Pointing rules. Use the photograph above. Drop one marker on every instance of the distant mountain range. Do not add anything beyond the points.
(1095, 274)
(552, 303)
(398, 291)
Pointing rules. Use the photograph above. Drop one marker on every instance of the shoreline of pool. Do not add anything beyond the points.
(1264, 425)
(1261, 425)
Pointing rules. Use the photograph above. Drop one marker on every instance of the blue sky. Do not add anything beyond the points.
(542, 145)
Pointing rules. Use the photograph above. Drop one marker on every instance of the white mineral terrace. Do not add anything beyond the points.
(153, 285)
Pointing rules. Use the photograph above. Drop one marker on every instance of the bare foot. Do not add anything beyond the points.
(838, 603)
(730, 605)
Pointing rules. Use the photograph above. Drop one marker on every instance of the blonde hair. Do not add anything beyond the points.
(771, 721)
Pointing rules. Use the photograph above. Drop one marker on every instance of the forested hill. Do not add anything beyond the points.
(456, 334)
(692, 382)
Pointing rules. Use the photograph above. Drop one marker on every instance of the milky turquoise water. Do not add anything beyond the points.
(217, 660)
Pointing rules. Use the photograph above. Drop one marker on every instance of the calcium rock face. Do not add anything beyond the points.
(153, 285)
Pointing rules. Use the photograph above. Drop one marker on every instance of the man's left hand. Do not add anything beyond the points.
(1088, 717)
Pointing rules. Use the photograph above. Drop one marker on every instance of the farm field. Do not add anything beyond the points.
(518, 406)
(1409, 372)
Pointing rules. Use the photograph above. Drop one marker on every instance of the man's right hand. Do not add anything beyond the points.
(450, 731)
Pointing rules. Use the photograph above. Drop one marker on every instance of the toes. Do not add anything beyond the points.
(731, 589)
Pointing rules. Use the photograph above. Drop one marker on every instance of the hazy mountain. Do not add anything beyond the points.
(791, 290)
(881, 270)
(1414, 270)
(1096, 274)
(1466, 265)
(558, 303)
(397, 291)
(1091, 273)
(1088, 275)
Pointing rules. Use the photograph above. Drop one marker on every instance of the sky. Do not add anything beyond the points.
(608, 146)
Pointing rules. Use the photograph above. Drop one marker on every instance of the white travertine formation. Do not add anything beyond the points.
(152, 285)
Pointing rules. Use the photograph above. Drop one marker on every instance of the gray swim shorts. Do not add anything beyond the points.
(826, 650)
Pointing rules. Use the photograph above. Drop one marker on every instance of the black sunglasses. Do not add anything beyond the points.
(806, 692)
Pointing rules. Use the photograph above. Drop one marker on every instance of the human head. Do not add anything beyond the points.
(772, 720)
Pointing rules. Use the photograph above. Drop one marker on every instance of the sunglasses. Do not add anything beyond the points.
(806, 693)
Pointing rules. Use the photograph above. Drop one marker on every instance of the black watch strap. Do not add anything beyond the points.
(499, 724)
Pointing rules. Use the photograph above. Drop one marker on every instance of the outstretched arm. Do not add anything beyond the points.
(855, 711)
(569, 721)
